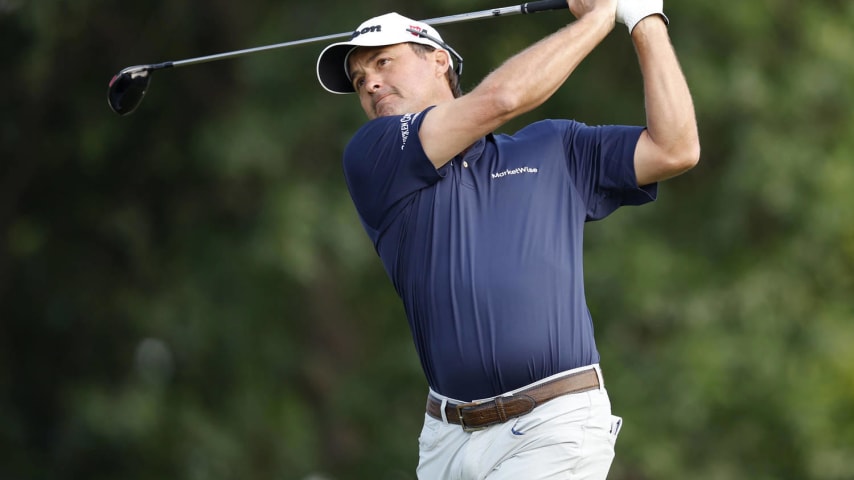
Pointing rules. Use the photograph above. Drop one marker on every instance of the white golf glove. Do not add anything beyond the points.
(630, 12)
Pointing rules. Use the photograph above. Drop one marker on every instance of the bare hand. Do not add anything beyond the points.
(580, 8)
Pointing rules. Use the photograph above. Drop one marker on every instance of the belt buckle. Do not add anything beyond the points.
(467, 428)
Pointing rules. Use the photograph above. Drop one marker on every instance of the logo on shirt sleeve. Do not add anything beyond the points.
(405, 122)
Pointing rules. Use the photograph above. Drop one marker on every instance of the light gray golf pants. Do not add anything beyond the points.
(569, 437)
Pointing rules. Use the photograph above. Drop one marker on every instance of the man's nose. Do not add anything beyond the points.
(373, 83)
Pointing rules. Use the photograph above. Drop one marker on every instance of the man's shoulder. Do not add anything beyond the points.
(542, 132)
(385, 136)
(375, 127)
(370, 137)
(392, 127)
(548, 126)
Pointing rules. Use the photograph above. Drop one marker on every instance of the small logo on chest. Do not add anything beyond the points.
(515, 171)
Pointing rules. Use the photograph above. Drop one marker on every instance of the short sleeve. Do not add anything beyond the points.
(384, 164)
(601, 162)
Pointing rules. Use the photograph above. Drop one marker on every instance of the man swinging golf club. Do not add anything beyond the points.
(481, 234)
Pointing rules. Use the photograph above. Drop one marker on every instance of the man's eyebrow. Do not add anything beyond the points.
(354, 69)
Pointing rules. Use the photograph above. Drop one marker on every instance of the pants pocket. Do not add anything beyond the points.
(429, 434)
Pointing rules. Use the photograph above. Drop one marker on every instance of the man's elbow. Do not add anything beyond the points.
(685, 157)
(690, 155)
(500, 102)
(503, 104)
(655, 162)
(668, 164)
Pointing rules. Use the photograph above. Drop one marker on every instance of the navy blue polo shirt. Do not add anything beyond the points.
(486, 251)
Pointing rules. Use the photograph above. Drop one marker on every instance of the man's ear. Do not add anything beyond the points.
(442, 61)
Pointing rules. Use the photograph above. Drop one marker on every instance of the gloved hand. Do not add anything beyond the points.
(630, 12)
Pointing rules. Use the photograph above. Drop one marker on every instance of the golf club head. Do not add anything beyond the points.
(127, 89)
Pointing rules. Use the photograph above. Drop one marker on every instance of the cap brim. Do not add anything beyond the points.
(330, 68)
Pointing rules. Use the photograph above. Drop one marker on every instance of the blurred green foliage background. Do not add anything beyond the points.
(187, 293)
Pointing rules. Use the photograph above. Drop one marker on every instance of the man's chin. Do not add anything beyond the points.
(389, 105)
(386, 111)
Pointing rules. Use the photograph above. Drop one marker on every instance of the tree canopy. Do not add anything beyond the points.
(186, 292)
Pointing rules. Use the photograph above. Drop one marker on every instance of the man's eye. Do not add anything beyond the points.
(383, 61)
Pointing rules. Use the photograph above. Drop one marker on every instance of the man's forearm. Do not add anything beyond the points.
(519, 85)
(530, 77)
(671, 121)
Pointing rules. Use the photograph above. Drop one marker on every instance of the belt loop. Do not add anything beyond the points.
(444, 413)
(599, 374)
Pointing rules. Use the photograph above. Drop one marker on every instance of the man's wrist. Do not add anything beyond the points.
(649, 25)
(601, 17)
(631, 12)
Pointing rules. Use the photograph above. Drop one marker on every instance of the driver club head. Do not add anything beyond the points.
(127, 89)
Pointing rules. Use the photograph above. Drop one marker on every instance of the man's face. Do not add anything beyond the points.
(393, 79)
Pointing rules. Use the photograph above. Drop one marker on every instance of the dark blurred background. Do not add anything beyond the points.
(186, 292)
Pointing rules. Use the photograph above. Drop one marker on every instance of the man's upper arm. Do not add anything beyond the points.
(601, 163)
(654, 164)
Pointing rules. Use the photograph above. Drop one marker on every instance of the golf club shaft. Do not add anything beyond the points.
(530, 7)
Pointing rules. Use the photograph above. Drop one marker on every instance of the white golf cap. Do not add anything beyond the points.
(389, 29)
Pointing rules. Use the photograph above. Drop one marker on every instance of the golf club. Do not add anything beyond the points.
(127, 87)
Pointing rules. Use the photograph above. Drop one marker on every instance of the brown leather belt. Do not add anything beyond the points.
(479, 415)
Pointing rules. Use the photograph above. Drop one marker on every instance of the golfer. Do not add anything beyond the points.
(481, 233)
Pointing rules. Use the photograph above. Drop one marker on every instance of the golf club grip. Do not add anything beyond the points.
(544, 5)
